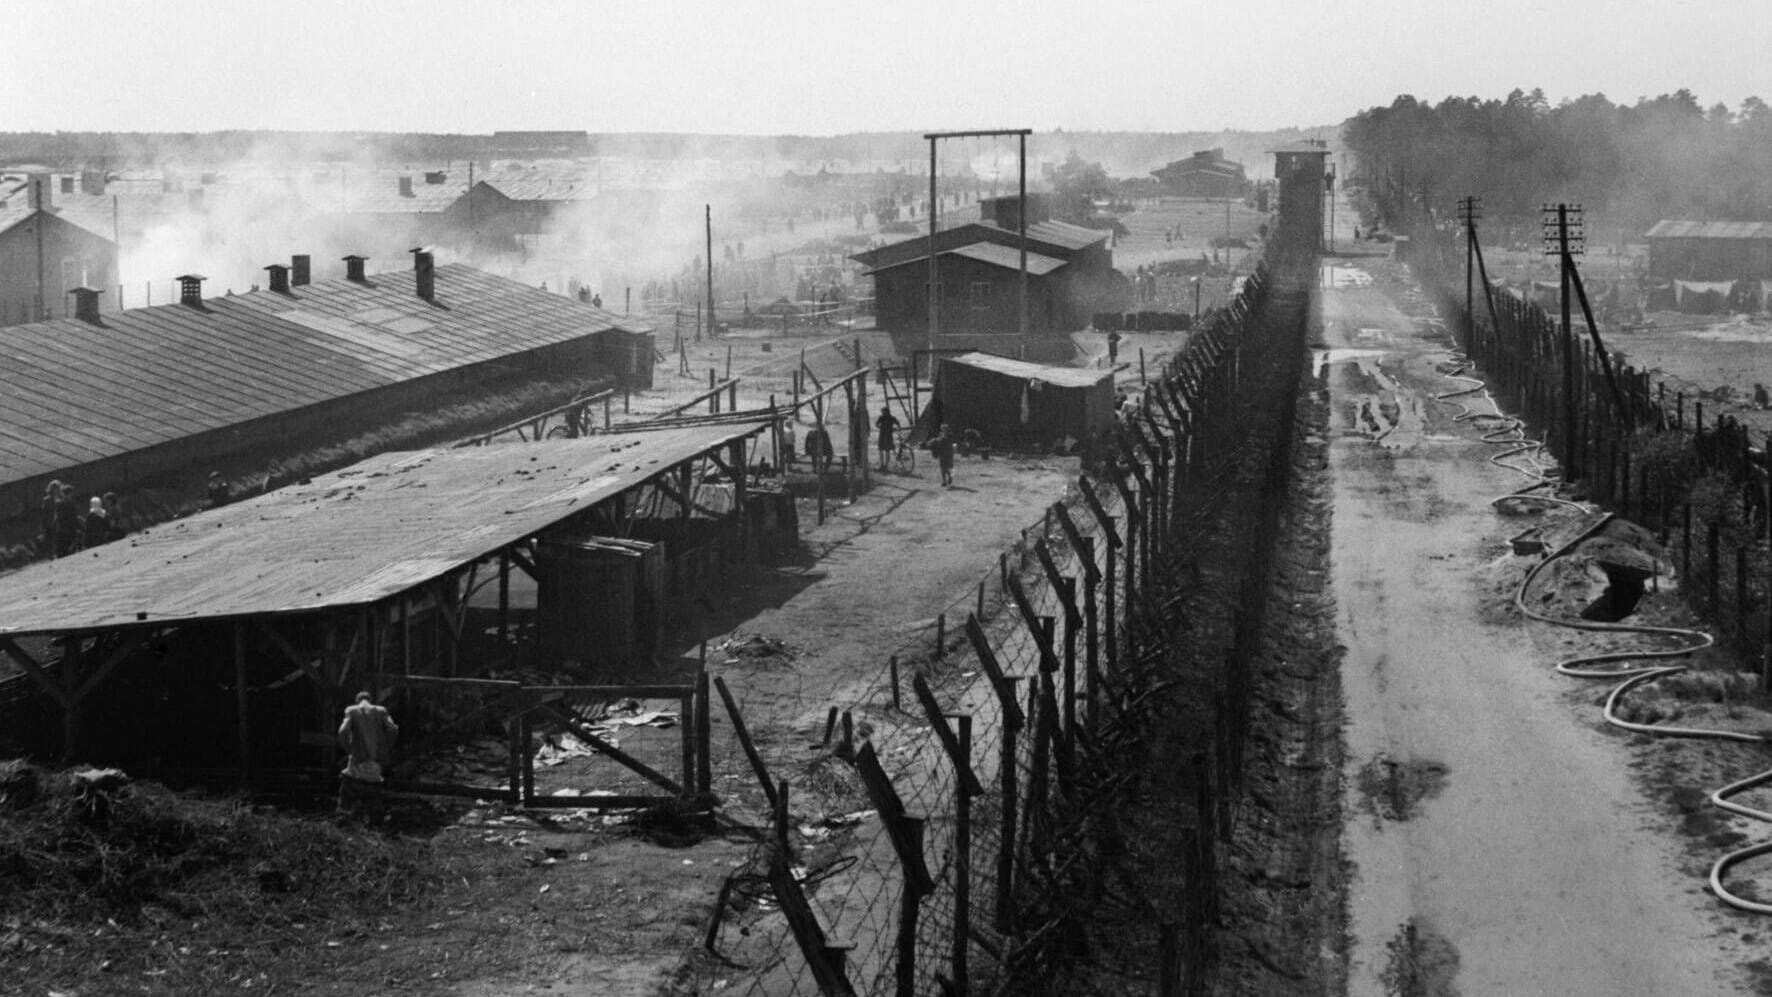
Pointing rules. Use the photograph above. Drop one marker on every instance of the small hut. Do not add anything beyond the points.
(1016, 403)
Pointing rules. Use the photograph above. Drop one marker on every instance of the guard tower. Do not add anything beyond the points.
(1300, 169)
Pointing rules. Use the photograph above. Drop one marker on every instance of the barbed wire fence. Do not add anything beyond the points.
(929, 846)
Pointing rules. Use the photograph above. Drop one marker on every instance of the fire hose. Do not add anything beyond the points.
(1510, 433)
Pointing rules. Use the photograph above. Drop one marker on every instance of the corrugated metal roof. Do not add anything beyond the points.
(1062, 234)
(1064, 377)
(991, 253)
(543, 188)
(348, 538)
(72, 393)
(1672, 229)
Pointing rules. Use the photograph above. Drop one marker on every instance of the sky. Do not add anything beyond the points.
(836, 66)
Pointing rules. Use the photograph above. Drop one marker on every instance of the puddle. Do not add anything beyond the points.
(1340, 276)
(1420, 962)
(1393, 790)
(1373, 403)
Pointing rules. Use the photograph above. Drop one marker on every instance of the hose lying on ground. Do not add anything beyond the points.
(1511, 433)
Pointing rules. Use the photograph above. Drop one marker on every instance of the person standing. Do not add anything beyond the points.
(887, 425)
(95, 527)
(67, 521)
(367, 734)
(220, 492)
(942, 446)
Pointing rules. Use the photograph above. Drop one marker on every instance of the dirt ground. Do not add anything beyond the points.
(1501, 838)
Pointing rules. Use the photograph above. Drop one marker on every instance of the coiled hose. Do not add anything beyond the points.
(1511, 434)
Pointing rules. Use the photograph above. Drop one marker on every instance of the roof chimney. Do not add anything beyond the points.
(279, 278)
(298, 269)
(354, 268)
(406, 187)
(67, 185)
(86, 305)
(424, 270)
(190, 289)
(436, 176)
(42, 191)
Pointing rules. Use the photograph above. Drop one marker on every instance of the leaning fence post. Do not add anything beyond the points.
(744, 740)
(905, 832)
(1007, 776)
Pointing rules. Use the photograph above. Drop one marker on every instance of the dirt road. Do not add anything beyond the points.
(1498, 843)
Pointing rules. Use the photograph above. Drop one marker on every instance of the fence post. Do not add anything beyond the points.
(1091, 635)
(744, 740)
(1711, 586)
(1741, 594)
(1007, 776)
(906, 835)
(958, 746)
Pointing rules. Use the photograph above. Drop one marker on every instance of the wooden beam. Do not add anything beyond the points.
(126, 647)
(38, 672)
(328, 690)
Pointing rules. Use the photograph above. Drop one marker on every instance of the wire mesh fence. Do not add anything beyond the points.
(1652, 455)
(996, 728)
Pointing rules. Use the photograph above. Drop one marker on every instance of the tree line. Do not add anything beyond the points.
(1627, 165)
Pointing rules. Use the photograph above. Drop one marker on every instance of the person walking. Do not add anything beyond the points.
(942, 446)
(887, 425)
(367, 734)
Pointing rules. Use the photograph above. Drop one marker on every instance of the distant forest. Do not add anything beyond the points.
(1627, 165)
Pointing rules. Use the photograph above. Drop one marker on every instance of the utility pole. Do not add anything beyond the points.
(1021, 216)
(1559, 240)
(1470, 211)
(934, 269)
(710, 232)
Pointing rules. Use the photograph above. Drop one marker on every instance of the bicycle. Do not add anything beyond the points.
(904, 458)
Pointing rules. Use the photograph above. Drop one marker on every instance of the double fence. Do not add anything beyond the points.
(975, 764)
(1653, 455)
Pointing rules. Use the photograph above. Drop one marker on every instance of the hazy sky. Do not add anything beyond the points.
(797, 66)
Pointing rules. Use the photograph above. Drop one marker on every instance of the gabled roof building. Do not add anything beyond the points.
(115, 400)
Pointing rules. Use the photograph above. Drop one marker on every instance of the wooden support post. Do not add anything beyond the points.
(514, 759)
(528, 756)
(241, 717)
(504, 601)
(941, 635)
(892, 667)
(687, 726)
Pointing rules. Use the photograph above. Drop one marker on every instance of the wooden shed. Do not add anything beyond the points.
(1017, 403)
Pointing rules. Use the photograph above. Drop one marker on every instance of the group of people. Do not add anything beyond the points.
(941, 444)
(67, 528)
